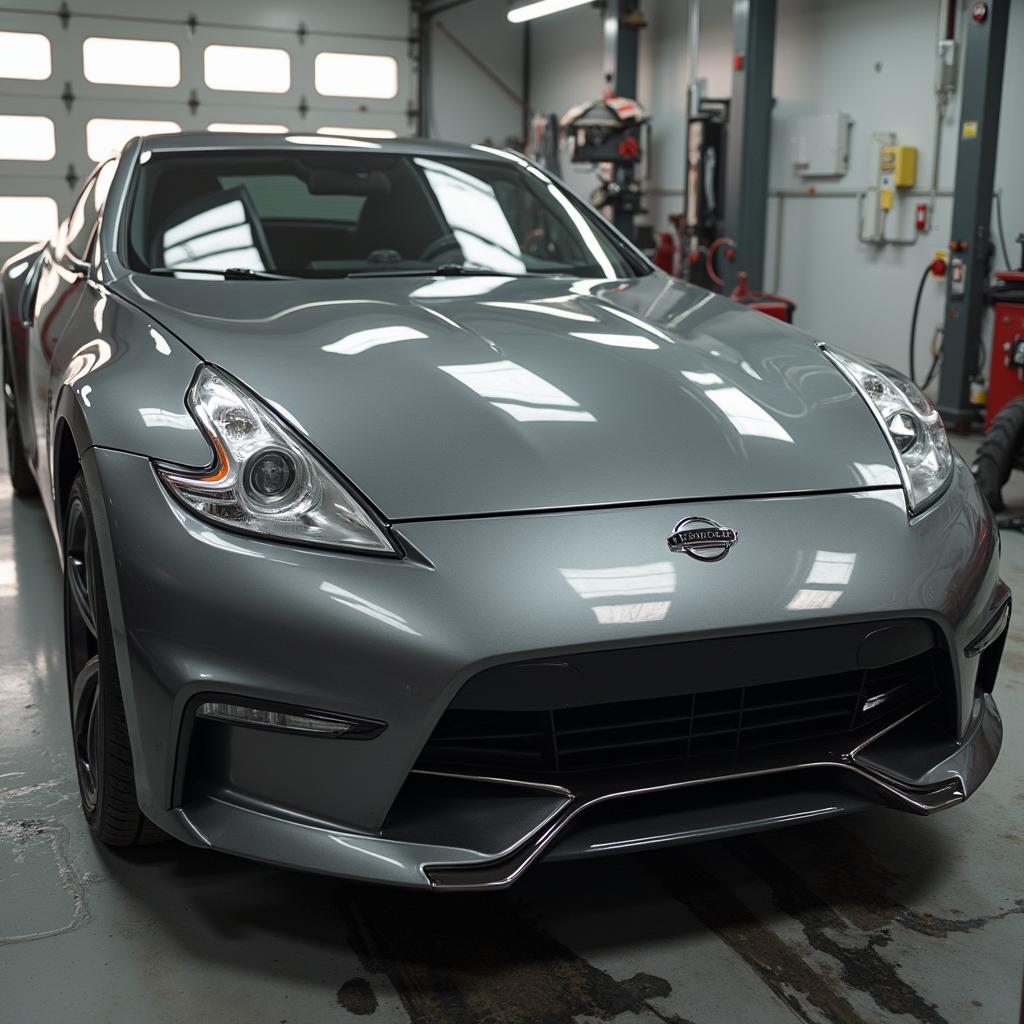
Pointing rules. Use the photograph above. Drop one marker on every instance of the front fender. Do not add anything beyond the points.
(120, 379)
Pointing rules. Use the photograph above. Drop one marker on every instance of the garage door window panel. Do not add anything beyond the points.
(27, 138)
(27, 218)
(360, 75)
(25, 55)
(142, 62)
(247, 69)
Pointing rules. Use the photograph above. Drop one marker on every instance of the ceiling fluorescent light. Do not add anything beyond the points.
(541, 7)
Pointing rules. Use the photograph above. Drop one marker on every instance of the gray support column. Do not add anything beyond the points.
(746, 158)
(621, 55)
(984, 58)
(621, 47)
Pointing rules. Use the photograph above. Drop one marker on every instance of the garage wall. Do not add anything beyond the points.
(468, 104)
(70, 101)
(826, 56)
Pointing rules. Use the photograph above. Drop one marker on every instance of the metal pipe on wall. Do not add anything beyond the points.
(692, 90)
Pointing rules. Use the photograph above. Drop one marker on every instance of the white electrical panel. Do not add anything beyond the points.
(821, 145)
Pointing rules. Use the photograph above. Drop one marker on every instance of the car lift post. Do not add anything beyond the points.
(748, 145)
(621, 54)
(984, 58)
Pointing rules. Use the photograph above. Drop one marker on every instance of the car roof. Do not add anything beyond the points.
(203, 140)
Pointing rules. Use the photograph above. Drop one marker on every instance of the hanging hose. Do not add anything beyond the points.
(913, 326)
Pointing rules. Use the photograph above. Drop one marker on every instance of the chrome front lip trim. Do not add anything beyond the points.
(500, 874)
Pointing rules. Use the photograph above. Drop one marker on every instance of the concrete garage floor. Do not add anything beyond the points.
(877, 918)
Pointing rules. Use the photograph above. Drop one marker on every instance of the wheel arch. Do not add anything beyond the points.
(66, 463)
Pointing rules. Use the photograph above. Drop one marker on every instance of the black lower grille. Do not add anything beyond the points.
(669, 728)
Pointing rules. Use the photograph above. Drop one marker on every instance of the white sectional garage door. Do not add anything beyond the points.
(72, 88)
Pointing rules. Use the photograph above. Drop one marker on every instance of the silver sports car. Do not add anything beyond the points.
(415, 528)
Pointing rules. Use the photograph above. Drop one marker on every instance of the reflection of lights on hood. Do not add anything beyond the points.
(85, 393)
(637, 322)
(832, 567)
(617, 340)
(92, 355)
(705, 380)
(458, 287)
(532, 414)
(622, 614)
(587, 286)
(535, 307)
(894, 496)
(622, 580)
(812, 600)
(828, 569)
(374, 611)
(97, 312)
(360, 341)
(743, 413)
(522, 394)
(876, 474)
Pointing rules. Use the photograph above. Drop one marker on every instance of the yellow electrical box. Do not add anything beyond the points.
(901, 163)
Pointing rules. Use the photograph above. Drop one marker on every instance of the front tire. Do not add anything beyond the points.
(999, 452)
(103, 753)
(17, 465)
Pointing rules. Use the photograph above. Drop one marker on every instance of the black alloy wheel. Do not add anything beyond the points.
(103, 754)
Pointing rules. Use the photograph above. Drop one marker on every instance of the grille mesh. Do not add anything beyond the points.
(669, 728)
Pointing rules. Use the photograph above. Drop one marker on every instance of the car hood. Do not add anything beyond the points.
(463, 396)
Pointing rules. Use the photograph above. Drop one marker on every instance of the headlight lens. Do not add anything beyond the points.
(911, 423)
(265, 480)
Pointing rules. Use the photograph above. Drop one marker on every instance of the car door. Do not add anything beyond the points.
(61, 288)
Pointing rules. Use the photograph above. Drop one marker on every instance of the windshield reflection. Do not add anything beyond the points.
(475, 217)
(215, 239)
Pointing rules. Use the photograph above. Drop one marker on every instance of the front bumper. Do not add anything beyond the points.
(197, 610)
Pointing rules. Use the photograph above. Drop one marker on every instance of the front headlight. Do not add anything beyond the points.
(911, 424)
(265, 480)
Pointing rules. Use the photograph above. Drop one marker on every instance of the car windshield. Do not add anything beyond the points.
(311, 213)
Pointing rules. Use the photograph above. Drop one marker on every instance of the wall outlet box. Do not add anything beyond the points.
(821, 145)
(900, 162)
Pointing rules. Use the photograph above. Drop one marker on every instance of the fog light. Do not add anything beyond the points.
(289, 721)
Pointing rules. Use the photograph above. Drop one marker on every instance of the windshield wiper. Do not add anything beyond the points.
(445, 270)
(229, 274)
